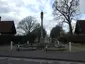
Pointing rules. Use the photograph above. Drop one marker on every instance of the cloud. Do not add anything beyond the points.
(18, 9)
(81, 7)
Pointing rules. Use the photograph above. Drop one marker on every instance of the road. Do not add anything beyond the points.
(8, 60)
(29, 57)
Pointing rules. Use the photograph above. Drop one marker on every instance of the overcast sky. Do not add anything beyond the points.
(18, 9)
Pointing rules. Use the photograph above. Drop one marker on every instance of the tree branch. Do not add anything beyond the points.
(65, 22)
(62, 13)
(70, 5)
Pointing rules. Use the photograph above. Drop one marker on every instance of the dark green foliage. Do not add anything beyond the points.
(5, 40)
(31, 37)
(17, 39)
(37, 33)
(55, 32)
(73, 38)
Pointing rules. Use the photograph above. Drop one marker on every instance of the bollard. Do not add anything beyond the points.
(27, 42)
(58, 42)
(69, 46)
(46, 48)
(11, 45)
(18, 48)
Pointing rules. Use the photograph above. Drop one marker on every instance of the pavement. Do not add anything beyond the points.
(49, 55)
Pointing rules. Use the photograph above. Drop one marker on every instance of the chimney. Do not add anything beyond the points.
(0, 18)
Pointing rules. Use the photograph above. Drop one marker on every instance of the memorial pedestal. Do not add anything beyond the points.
(41, 45)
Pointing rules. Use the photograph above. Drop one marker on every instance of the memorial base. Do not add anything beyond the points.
(42, 40)
(41, 44)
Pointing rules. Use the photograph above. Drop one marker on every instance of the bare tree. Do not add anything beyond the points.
(66, 9)
(27, 24)
(37, 25)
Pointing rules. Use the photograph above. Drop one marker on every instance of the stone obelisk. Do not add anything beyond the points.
(42, 39)
(41, 24)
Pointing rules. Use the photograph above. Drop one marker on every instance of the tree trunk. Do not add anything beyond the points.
(70, 28)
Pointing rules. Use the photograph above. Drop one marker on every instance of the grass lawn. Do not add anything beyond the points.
(6, 48)
(75, 47)
(78, 47)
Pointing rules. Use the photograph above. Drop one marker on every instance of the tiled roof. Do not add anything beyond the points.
(7, 27)
(80, 27)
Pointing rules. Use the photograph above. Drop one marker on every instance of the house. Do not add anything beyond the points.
(7, 30)
(79, 33)
(80, 27)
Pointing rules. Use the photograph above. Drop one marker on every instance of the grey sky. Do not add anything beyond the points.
(18, 9)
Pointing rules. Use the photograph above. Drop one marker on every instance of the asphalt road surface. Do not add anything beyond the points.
(8, 60)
